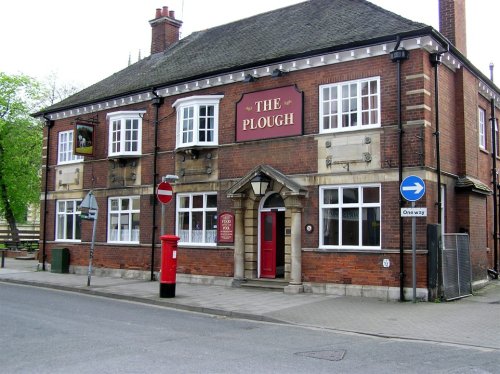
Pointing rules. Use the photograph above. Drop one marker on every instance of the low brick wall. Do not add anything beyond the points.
(15, 254)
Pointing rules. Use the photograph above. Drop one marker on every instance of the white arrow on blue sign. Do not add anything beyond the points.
(412, 188)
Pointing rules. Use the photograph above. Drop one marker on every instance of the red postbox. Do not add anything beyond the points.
(168, 268)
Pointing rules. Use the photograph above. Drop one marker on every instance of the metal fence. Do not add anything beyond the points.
(457, 271)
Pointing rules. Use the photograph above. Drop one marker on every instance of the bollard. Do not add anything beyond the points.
(168, 269)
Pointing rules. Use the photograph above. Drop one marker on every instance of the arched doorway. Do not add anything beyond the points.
(246, 211)
(272, 237)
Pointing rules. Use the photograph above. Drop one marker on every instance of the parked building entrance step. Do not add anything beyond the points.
(266, 284)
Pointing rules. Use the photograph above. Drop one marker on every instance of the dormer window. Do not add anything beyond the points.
(197, 121)
(125, 133)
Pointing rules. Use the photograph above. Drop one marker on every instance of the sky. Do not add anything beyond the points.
(83, 42)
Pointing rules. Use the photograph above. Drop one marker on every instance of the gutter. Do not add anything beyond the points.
(466, 62)
(425, 31)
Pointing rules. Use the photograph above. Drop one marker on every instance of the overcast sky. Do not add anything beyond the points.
(85, 41)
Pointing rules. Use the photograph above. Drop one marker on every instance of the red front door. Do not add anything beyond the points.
(268, 245)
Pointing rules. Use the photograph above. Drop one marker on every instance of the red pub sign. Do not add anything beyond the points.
(225, 228)
(273, 113)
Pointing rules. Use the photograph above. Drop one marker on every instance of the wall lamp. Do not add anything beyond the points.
(399, 55)
(249, 78)
(436, 58)
(278, 73)
(260, 183)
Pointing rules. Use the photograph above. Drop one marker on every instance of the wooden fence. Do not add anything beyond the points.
(29, 236)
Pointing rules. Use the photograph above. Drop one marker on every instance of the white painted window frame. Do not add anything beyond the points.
(117, 237)
(64, 214)
(65, 149)
(188, 233)
(117, 145)
(337, 102)
(482, 128)
(193, 104)
(340, 205)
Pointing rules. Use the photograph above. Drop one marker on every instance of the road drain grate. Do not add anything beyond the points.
(335, 355)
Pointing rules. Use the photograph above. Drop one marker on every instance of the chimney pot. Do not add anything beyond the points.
(165, 30)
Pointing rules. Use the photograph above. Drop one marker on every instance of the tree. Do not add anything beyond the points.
(54, 91)
(20, 148)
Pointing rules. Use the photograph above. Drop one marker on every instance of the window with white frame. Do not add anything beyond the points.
(482, 128)
(197, 120)
(350, 217)
(65, 153)
(125, 133)
(197, 218)
(68, 220)
(123, 219)
(349, 105)
(497, 139)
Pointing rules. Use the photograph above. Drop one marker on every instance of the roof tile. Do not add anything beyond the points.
(298, 30)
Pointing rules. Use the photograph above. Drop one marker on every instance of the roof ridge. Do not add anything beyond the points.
(378, 7)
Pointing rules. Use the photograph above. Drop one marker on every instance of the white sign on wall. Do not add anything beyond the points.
(413, 212)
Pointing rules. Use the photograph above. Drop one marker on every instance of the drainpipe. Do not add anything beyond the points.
(495, 190)
(494, 272)
(398, 56)
(157, 101)
(49, 123)
(435, 59)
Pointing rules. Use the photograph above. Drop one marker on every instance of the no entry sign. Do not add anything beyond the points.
(164, 192)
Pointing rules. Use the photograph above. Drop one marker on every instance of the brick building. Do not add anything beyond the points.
(325, 111)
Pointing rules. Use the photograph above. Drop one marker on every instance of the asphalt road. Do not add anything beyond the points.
(49, 331)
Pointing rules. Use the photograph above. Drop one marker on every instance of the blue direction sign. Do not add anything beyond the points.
(412, 188)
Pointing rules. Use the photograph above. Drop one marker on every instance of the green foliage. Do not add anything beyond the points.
(20, 145)
(18, 95)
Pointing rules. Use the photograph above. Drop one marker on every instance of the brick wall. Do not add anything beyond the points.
(215, 262)
(479, 234)
(452, 22)
(360, 268)
(297, 156)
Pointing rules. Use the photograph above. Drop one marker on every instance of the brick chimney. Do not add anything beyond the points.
(452, 23)
(165, 30)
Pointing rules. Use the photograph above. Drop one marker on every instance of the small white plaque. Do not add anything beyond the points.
(413, 212)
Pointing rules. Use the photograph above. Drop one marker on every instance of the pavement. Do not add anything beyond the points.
(473, 321)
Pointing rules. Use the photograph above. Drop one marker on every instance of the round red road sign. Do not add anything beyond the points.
(164, 192)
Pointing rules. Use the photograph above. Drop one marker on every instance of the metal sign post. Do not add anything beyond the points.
(167, 178)
(90, 203)
(412, 189)
(414, 254)
(91, 254)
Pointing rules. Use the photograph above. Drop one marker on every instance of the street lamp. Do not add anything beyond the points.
(260, 183)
